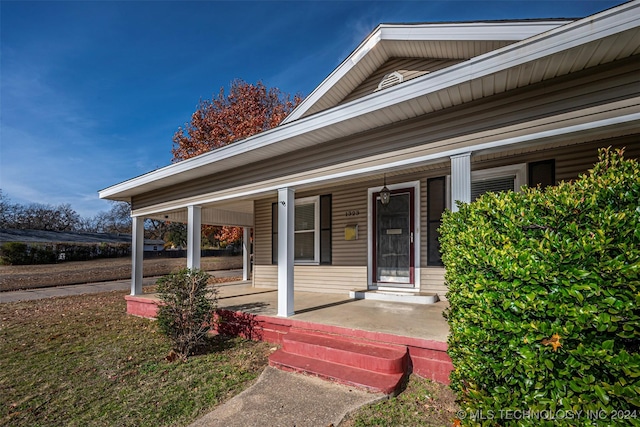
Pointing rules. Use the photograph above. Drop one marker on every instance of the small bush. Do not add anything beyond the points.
(186, 312)
(544, 290)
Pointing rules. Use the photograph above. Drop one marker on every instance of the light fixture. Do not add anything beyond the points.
(385, 194)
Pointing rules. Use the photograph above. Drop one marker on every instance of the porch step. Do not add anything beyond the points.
(374, 366)
(396, 296)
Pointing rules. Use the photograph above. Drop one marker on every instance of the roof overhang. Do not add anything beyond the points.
(604, 37)
(436, 40)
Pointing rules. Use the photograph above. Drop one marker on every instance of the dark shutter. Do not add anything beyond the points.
(274, 233)
(542, 173)
(325, 229)
(436, 203)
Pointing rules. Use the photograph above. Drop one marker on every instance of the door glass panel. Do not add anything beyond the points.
(393, 239)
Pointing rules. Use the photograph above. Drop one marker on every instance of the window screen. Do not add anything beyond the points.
(503, 183)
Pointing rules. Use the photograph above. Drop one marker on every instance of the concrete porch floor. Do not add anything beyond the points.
(395, 318)
(411, 320)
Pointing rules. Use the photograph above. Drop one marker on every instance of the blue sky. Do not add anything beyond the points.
(91, 92)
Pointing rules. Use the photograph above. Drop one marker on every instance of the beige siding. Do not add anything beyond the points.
(410, 68)
(345, 201)
(262, 232)
(571, 161)
(432, 280)
(315, 278)
(542, 103)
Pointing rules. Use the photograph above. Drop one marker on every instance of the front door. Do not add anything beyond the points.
(393, 257)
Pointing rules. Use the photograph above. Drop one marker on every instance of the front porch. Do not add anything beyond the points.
(420, 331)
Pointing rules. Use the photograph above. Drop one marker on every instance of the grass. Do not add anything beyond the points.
(81, 361)
(422, 404)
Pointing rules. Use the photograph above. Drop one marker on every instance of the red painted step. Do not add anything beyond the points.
(354, 361)
(376, 357)
(372, 381)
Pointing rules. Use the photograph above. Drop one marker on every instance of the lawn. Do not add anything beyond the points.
(423, 403)
(80, 361)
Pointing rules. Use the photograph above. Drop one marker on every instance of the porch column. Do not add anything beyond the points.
(460, 179)
(137, 254)
(286, 213)
(194, 231)
(246, 252)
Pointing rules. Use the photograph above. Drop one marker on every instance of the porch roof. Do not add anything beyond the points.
(604, 37)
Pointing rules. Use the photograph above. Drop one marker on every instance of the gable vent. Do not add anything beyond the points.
(389, 80)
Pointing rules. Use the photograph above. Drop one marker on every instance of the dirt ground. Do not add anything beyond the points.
(102, 270)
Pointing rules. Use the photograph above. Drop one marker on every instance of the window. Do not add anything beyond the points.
(306, 242)
(501, 183)
(312, 231)
(504, 178)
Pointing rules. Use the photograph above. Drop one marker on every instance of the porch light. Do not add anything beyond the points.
(385, 194)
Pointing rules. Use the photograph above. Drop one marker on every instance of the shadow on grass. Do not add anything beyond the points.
(215, 344)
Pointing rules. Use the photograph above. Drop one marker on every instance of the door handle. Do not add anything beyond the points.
(411, 234)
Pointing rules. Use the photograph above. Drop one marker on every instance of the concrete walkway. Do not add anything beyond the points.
(284, 399)
(90, 288)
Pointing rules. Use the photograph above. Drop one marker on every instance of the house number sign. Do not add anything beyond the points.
(352, 213)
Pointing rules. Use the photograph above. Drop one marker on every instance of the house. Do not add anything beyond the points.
(346, 195)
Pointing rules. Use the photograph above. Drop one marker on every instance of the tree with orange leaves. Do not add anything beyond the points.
(246, 110)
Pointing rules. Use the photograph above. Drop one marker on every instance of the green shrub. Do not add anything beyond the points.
(544, 289)
(42, 255)
(15, 253)
(186, 312)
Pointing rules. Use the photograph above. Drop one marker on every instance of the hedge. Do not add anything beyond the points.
(544, 289)
(17, 253)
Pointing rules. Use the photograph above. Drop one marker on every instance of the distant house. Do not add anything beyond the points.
(433, 113)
